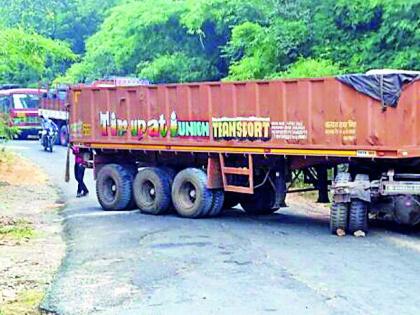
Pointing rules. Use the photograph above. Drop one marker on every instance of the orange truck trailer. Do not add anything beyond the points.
(198, 148)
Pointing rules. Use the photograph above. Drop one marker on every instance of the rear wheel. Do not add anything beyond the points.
(261, 202)
(152, 191)
(338, 217)
(339, 210)
(114, 187)
(190, 195)
(218, 201)
(132, 169)
(358, 216)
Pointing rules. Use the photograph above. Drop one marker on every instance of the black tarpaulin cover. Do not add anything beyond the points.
(385, 88)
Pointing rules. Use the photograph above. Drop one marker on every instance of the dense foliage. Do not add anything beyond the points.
(194, 40)
(29, 57)
(6, 131)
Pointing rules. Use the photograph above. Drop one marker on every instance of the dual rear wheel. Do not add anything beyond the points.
(157, 190)
(352, 216)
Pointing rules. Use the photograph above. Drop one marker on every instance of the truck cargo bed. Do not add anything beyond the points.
(306, 117)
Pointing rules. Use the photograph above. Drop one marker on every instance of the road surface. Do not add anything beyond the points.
(286, 263)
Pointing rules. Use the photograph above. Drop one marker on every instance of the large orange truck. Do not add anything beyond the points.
(198, 148)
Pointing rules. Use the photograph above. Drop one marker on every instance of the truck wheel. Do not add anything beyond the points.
(358, 216)
(190, 195)
(231, 200)
(338, 217)
(217, 204)
(170, 171)
(114, 187)
(132, 169)
(152, 191)
(64, 136)
(260, 203)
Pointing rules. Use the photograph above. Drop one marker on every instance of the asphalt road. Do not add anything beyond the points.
(286, 263)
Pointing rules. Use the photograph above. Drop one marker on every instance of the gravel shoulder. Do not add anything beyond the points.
(31, 247)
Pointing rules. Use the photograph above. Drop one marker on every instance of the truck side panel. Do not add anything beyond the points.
(292, 117)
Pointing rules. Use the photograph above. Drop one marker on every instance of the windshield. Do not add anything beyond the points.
(25, 101)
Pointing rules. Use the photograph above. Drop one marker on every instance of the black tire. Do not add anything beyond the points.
(190, 195)
(132, 169)
(338, 217)
(231, 200)
(152, 191)
(63, 137)
(170, 171)
(261, 202)
(114, 187)
(218, 202)
(358, 216)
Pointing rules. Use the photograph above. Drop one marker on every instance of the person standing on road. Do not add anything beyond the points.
(79, 174)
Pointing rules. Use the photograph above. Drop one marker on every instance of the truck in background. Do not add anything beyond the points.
(54, 106)
(22, 105)
(54, 103)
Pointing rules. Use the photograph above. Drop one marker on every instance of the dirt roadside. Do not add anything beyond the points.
(31, 247)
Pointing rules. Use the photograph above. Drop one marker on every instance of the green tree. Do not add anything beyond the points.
(68, 20)
(29, 58)
(138, 32)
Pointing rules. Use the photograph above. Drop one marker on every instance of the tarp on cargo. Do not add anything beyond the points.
(384, 87)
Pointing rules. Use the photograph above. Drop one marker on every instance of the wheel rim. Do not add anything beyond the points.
(110, 189)
(188, 194)
(148, 192)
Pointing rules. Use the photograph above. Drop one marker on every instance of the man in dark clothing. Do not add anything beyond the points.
(79, 173)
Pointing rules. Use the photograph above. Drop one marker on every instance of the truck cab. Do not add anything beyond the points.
(21, 105)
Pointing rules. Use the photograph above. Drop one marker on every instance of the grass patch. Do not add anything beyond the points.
(26, 303)
(19, 230)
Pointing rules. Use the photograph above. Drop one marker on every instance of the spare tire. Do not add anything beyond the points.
(152, 190)
(190, 195)
(114, 187)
